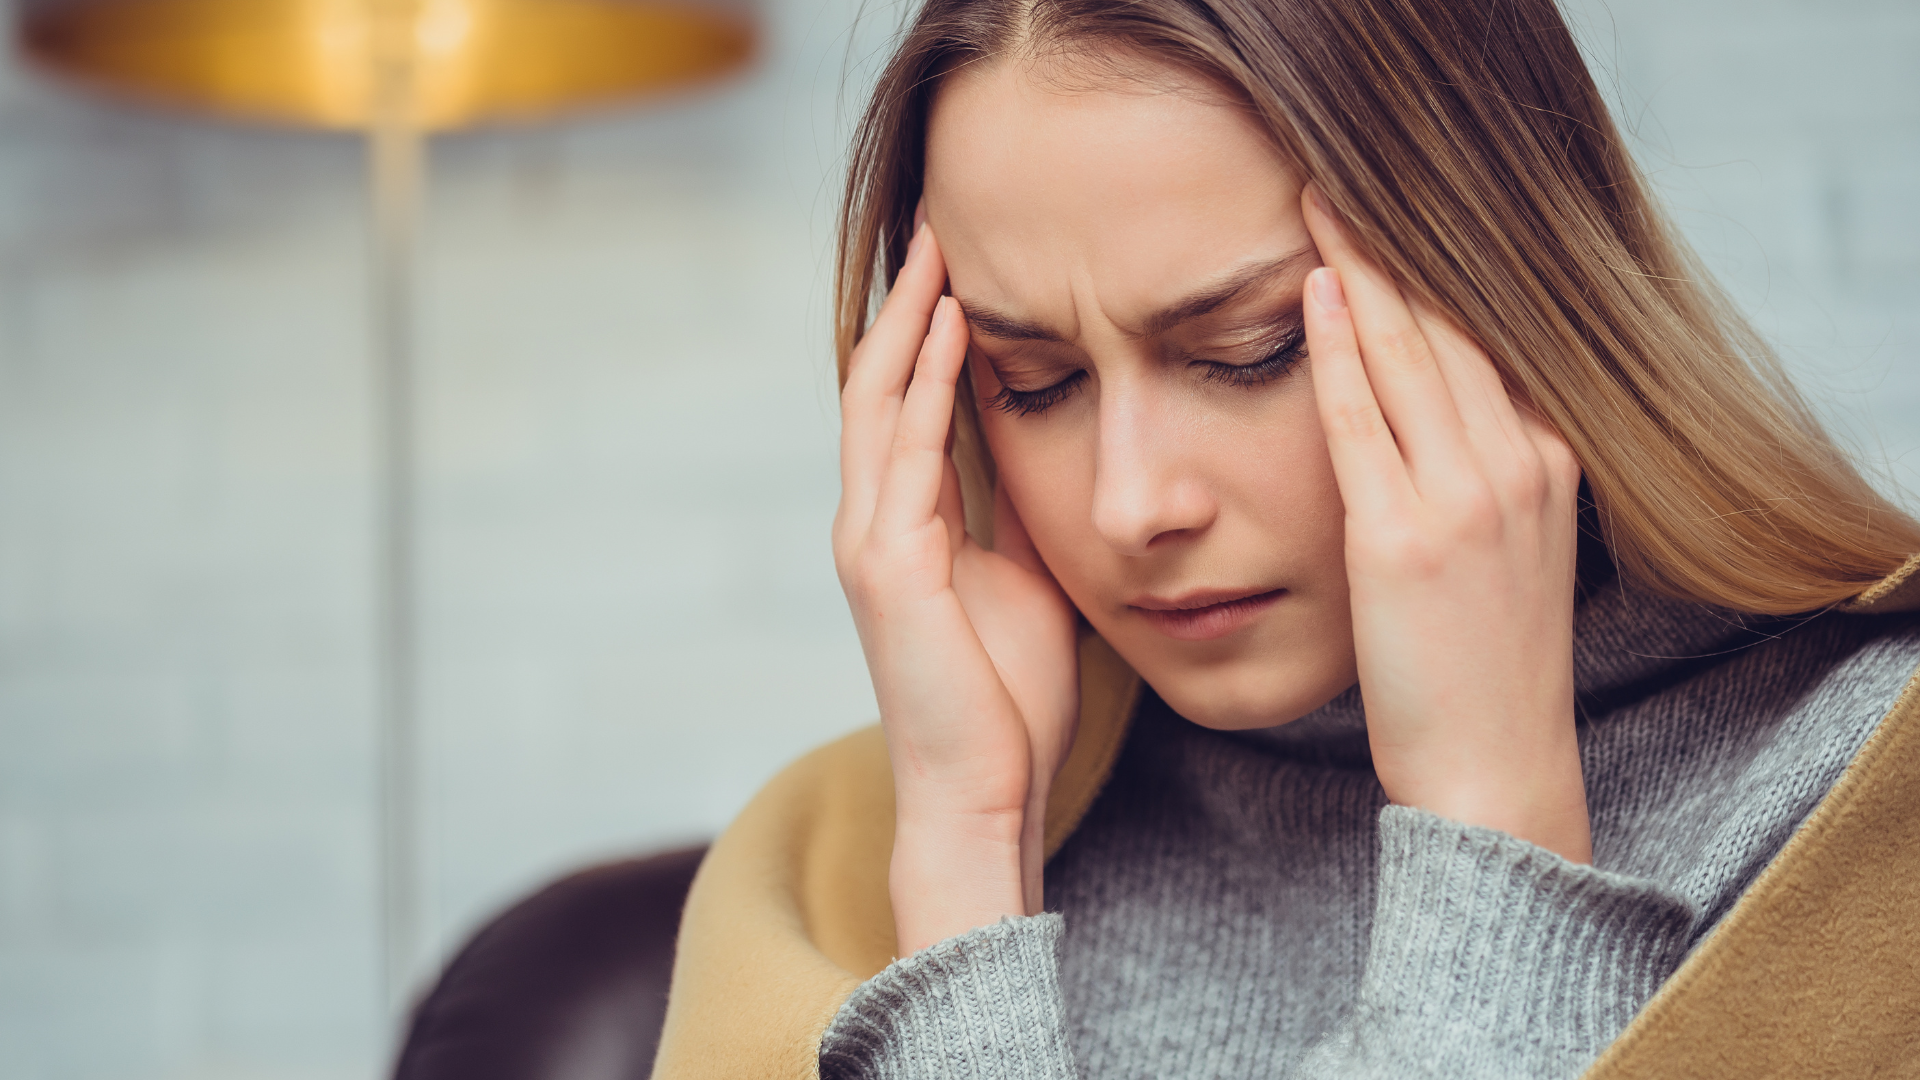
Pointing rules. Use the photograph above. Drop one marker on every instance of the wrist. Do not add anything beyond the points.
(1555, 820)
(1538, 796)
(953, 872)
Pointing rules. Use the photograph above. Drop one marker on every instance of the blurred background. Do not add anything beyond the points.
(627, 615)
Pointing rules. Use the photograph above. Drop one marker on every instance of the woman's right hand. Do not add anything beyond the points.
(972, 652)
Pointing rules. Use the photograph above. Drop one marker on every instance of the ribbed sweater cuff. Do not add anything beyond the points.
(985, 1004)
(1487, 949)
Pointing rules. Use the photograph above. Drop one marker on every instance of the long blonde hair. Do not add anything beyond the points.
(1469, 150)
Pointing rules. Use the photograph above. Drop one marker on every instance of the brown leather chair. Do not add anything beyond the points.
(568, 984)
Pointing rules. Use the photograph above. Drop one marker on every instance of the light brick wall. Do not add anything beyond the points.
(1786, 135)
(629, 614)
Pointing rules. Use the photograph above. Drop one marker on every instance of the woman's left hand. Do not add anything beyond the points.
(1460, 547)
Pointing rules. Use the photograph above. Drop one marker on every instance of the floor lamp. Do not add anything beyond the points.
(393, 71)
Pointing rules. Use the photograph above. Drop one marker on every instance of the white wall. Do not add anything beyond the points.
(630, 618)
(629, 615)
(1786, 134)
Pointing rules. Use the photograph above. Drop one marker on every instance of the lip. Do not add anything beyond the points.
(1205, 614)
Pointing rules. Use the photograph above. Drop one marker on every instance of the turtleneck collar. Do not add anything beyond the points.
(1627, 643)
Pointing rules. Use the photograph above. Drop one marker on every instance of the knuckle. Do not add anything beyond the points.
(863, 580)
(1542, 475)
(1562, 464)
(1472, 514)
(901, 447)
(1525, 483)
(1359, 421)
(1398, 546)
(1534, 490)
(1408, 345)
(845, 555)
(1478, 505)
(846, 558)
(908, 444)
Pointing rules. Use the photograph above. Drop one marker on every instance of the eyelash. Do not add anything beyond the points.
(1035, 402)
(1289, 352)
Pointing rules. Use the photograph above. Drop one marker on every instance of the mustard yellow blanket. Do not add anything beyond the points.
(1815, 973)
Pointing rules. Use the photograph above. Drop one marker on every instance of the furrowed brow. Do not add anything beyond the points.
(1215, 296)
(997, 324)
(1000, 325)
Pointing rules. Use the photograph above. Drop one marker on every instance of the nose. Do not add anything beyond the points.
(1145, 488)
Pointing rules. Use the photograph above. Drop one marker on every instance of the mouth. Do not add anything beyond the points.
(1206, 614)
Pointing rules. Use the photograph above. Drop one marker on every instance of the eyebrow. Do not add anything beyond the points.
(1206, 301)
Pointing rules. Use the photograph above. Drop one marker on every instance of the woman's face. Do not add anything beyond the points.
(1130, 257)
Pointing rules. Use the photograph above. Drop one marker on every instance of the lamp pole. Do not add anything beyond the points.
(426, 63)
(395, 169)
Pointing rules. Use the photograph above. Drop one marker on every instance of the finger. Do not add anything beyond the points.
(877, 378)
(952, 506)
(1366, 462)
(1515, 445)
(1562, 464)
(910, 489)
(885, 355)
(1010, 536)
(1407, 384)
(1487, 411)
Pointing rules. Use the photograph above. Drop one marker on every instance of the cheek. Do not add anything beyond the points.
(1280, 474)
(1047, 469)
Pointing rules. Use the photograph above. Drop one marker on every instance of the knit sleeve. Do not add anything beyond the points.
(984, 1005)
(1491, 959)
(1494, 958)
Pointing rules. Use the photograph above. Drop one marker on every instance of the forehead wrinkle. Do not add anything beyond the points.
(1212, 297)
(995, 323)
(998, 323)
(1204, 301)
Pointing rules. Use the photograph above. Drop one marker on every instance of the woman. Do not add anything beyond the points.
(1328, 366)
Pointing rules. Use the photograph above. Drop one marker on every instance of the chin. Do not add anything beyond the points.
(1247, 693)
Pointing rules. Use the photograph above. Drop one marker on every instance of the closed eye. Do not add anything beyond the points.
(1035, 402)
(1280, 360)
(1285, 355)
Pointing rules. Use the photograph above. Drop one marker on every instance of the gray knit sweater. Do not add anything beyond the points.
(1247, 905)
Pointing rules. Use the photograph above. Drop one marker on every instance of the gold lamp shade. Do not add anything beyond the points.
(312, 62)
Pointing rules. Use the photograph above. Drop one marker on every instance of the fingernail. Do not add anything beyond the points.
(939, 313)
(1325, 283)
(913, 245)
